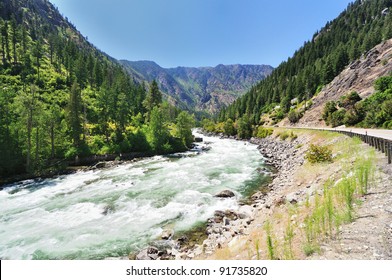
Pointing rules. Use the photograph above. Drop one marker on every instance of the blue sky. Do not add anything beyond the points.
(200, 32)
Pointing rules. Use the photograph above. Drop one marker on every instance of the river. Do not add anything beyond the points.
(111, 212)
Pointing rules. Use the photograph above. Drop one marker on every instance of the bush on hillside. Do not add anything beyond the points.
(318, 153)
(263, 132)
(294, 116)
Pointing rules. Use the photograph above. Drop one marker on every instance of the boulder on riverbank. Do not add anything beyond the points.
(150, 253)
(99, 165)
(225, 194)
(167, 234)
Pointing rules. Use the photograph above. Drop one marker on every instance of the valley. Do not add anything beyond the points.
(126, 159)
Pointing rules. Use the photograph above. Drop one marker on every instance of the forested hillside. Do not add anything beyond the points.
(61, 98)
(363, 25)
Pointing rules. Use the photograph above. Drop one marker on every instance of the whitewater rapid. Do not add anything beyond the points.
(111, 212)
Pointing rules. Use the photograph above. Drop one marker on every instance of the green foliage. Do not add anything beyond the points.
(229, 128)
(383, 83)
(294, 116)
(153, 98)
(74, 111)
(329, 109)
(158, 134)
(336, 206)
(351, 110)
(288, 242)
(337, 117)
(270, 241)
(317, 154)
(263, 132)
(61, 98)
(283, 135)
(348, 101)
(208, 125)
(184, 124)
(244, 127)
(363, 172)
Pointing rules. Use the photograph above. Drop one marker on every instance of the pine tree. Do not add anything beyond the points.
(75, 115)
(184, 124)
(158, 133)
(153, 98)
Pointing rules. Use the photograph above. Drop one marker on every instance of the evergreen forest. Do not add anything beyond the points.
(362, 26)
(62, 99)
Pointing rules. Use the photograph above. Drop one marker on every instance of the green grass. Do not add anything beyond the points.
(321, 216)
(288, 242)
(287, 134)
(270, 241)
(336, 206)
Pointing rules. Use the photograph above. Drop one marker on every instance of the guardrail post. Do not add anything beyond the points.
(389, 152)
(382, 146)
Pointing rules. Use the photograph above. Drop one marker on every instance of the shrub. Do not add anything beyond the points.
(329, 108)
(219, 127)
(263, 132)
(317, 153)
(348, 101)
(337, 117)
(284, 135)
(244, 127)
(293, 136)
(294, 116)
(208, 125)
(229, 128)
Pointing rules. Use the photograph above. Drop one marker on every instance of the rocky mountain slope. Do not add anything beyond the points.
(204, 88)
(359, 76)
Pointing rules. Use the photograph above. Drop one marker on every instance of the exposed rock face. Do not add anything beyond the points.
(203, 88)
(358, 76)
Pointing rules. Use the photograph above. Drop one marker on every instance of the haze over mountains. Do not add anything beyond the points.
(202, 88)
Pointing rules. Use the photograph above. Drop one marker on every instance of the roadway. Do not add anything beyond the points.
(381, 133)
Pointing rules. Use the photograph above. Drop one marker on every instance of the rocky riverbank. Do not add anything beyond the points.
(296, 184)
(226, 227)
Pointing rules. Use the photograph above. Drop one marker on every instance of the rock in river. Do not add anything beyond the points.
(225, 194)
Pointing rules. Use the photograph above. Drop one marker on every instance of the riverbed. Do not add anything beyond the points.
(115, 211)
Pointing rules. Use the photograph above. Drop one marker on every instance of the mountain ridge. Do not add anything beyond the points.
(201, 88)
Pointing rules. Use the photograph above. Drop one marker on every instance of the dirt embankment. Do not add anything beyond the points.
(281, 214)
(283, 218)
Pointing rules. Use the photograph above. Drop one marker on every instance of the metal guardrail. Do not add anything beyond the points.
(381, 144)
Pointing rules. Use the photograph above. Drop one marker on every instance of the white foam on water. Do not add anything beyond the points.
(96, 214)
